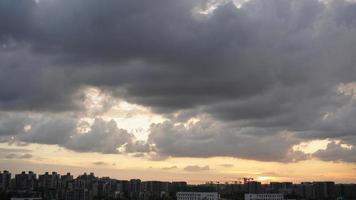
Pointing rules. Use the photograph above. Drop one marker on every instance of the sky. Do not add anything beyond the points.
(190, 90)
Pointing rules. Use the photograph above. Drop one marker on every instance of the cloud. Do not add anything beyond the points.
(57, 129)
(337, 152)
(220, 56)
(196, 168)
(11, 124)
(266, 75)
(270, 174)
(11, 156)
(139, 155)
(15, 153)
(209, 138)
(100, 163)
(16, 150)
(227, 165)
(104, 137)
(25, 156)
(138, 147)
(18, 156)
(169, 168)
(62, 129)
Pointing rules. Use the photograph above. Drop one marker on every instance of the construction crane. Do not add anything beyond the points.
(247, 179)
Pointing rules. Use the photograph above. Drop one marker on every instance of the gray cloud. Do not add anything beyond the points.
(138, 147)
(11, 124)
(25, 156)
(11, 156)
(61, 129)
(210, 138)
(17, 150)
(18, 156)
(220, 56)
(268, 68)
(196, 168)
(336, 152)
(103, 137)
(50, 130)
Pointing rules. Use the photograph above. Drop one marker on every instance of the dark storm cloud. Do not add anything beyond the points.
(261, 71)
(15, 18)
(185, 61)
(11, 124)
(29, 82)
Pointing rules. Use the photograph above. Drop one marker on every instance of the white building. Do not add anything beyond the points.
(264, 197)
(197, 196)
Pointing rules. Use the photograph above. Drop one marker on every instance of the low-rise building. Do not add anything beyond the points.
(264, 197)
(197, 196)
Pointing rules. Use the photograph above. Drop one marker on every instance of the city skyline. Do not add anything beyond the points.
(238, 180)
(193, 90)
(88, 186)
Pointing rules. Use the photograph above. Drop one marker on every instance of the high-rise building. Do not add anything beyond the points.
(324, 190)
(135, 188)
(281, 187)
(50, 185)
(5, 178)
(49, 181)
(25, 181)
(306, 190)
(65, 179)
(253, 187)
(345, 191)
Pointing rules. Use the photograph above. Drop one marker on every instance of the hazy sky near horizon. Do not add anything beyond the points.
(192, 90)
